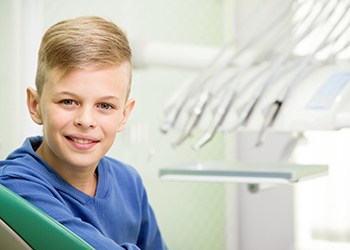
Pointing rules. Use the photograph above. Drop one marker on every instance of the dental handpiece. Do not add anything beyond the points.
(217, 120)
(194, 117)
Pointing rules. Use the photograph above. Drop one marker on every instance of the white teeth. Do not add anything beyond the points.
(81, 141)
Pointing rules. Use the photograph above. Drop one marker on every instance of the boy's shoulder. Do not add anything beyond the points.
(24, 168)
(23, 159)
(119, 168)
(118, 165)
(117, 175)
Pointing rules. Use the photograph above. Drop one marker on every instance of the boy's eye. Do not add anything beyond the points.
(68, 102)
(105, 106)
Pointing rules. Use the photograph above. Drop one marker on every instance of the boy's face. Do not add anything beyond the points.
(81, 113)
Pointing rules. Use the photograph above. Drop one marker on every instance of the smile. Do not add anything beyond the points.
(83, 141)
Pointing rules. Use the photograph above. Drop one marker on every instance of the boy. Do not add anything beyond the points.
(82, 101)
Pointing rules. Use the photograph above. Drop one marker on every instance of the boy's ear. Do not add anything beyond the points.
(33, 105)
(129, 106)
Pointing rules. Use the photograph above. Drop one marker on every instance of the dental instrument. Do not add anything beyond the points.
(276, 67)
(198, 109)
(275, 107)
(214, 67)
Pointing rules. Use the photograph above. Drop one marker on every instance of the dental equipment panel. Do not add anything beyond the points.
(282, 87)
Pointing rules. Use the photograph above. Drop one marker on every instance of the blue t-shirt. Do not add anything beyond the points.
(118, 217)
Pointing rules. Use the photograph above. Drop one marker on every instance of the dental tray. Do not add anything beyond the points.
(242, 172)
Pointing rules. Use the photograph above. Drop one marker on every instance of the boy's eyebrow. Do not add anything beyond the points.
(65, 93)
(113, 98)
(108, 97)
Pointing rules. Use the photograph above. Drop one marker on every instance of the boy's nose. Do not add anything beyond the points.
(85, 118)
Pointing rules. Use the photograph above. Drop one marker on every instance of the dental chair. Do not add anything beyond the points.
(23, 226)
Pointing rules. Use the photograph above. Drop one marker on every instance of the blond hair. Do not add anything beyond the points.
(78, 43)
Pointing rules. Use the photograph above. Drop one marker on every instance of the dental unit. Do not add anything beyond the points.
(278, 63)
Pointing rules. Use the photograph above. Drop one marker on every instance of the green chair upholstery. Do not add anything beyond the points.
(23, 226)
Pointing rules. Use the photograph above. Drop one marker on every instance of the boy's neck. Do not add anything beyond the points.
(87, 185)
(85, 181)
